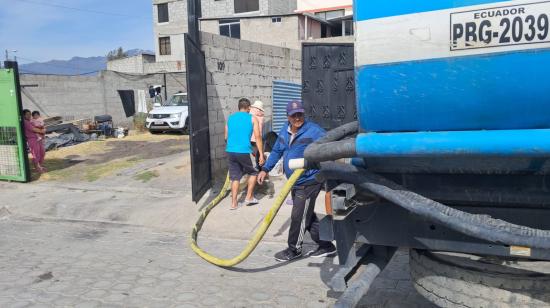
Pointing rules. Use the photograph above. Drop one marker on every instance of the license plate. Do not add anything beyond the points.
(159, 122)
(501, 26)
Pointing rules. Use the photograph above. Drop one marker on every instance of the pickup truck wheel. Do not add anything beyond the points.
(460, 280)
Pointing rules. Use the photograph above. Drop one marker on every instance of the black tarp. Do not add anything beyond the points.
(128, 102)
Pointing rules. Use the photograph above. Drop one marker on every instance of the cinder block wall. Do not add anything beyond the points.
(76, 97)
(236, 69)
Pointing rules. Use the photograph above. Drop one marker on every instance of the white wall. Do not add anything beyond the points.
(322, 5)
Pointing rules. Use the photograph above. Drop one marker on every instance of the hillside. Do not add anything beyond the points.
(73, 66)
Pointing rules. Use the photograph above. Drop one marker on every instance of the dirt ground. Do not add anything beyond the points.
(94, 160)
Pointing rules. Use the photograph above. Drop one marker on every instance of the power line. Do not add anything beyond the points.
(77, 9)
(24, 71)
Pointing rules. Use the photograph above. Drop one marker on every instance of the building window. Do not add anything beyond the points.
(162, 10)
(275, 19)
(243, 6)
(231, 28)
(330, 14)
(164, 46)
(347, 27)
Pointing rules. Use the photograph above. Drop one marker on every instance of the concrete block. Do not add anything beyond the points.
(218, 40)
(231, 54)
(248, 91)
(217, 53)
(221, 116)
(246, 46)
(221, 40)
(206, 38)
(212, 114)
(259, 91)
(233, 43)
(211, 64)
(236, 91)
(233, 67)
(219, 78)
(219, 128)
(221, 141)
(243, 56)
(223, 90)
(279, 52)
(219, 153)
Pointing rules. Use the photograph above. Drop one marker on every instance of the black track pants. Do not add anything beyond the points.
(303, 216)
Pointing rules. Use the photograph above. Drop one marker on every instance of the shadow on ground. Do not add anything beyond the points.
(54, 164)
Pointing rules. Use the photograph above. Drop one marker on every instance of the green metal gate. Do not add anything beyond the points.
(13, 152)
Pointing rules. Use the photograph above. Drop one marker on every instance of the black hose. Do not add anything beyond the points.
(331, 146)
(479, 226)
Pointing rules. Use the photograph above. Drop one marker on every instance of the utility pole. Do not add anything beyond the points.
(165, 91)
(193, 15)
(8, 54)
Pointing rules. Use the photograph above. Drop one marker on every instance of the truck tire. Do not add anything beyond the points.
(460, 280)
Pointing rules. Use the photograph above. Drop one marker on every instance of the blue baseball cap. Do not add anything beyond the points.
(294, 107)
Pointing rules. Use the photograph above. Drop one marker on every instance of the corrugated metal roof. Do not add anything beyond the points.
(283, 93)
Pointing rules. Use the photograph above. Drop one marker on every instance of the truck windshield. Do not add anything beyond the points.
(177, 100)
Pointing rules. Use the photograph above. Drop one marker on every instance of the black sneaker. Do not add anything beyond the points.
(287, 255)
(324, 252)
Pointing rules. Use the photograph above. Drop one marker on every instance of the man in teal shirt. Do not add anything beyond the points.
(238, 131)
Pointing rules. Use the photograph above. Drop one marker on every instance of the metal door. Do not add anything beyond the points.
(199, 134)
(14, 164)
(328, 83)
(283, 93)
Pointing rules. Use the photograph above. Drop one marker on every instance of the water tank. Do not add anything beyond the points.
(452, 65)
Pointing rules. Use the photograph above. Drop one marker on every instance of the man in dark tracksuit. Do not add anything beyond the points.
(293, 140)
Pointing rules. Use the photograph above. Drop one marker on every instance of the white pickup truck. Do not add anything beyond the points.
(172, 115)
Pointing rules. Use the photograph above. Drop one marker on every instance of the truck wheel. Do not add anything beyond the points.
(460, 280)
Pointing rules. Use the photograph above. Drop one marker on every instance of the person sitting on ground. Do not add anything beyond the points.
(38, 122)
(238, 131)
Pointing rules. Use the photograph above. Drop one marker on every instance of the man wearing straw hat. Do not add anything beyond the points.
(257, 112)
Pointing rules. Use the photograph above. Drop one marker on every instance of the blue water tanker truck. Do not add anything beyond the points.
(449, 156)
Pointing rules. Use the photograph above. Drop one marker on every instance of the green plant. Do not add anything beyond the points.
(147, 176)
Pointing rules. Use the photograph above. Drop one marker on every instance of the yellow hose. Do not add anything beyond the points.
(268, 219)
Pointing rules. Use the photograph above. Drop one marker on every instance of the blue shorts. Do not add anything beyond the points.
(240, 164)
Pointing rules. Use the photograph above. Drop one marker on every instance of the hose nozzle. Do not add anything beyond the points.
(297, 163)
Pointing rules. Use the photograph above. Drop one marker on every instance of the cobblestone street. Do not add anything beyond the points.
(52, 263)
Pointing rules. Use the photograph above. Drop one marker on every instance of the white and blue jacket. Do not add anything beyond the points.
(307, 134)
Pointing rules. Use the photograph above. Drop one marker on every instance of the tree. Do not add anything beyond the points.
(116, 54)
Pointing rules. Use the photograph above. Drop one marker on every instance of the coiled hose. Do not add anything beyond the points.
(479, 226)
(333, 146)
(268, 219)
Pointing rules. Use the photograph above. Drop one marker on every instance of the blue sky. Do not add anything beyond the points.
(43, 30)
